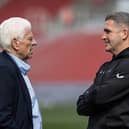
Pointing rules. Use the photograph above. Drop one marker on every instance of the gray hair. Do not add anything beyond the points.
(119, 17)
(11, 28)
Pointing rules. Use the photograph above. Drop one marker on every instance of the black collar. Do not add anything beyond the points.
(123, 54)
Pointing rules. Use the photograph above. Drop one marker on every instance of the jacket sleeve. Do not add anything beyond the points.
(7, 97)
(85, 104)
(109, 91)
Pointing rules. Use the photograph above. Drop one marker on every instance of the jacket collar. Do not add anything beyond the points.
(22, 65)
(123, 54)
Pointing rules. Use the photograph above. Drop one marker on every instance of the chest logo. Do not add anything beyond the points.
(119, 76)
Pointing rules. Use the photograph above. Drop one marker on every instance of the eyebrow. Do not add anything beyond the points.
(107, 30)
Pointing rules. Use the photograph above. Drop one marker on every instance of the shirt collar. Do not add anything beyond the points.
(22, 65)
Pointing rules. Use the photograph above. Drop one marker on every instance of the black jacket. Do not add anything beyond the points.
(15, 102)
(106, 102)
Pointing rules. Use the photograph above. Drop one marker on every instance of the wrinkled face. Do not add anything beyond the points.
(25, 46)
(112, 36)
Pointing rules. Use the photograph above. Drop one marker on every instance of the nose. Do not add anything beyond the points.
(34, 42)
(103, 37)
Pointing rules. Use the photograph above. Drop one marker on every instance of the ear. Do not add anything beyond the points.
(15, 44)
(125, 33)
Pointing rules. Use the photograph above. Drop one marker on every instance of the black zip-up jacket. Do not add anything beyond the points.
(106, 102)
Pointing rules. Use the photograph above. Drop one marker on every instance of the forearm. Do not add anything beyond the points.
(85, 104)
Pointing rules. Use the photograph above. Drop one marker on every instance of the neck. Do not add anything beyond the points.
(120, 48)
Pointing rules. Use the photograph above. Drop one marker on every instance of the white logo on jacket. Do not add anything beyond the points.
(119, 76)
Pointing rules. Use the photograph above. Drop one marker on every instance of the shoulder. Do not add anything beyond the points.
(105, 64)
(6, 62)
(123, 64)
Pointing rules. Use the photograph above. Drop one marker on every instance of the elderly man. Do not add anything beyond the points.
(19, 107)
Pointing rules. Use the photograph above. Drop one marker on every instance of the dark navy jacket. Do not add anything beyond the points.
(15, 102)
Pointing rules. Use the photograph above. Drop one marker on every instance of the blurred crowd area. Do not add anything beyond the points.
(83, 15)
(54, 17)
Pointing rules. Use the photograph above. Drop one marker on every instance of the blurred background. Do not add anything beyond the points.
(68, 54)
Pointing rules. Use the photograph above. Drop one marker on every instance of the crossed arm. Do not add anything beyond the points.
(98, 96)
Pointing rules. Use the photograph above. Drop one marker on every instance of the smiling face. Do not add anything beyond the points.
(114, 37)
(23, 48)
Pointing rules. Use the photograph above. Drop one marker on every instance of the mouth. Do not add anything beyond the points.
(106, 41)
(31, 52)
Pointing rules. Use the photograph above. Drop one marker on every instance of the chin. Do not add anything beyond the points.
(27, 58)
(30, 57)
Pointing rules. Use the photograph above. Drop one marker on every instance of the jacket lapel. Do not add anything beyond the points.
(22, 84)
